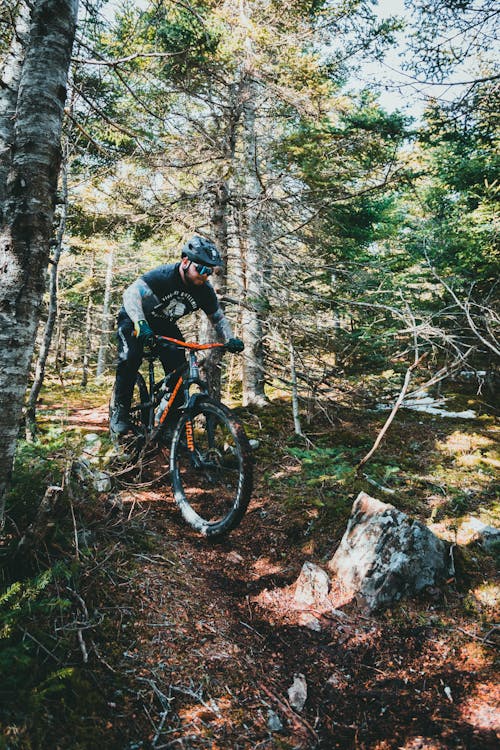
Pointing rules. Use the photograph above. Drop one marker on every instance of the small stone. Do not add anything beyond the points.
(487, 536)
(334, 680)
(274, 723)
(102, 482)
(234, 557)
(309, 621)
(297, 692)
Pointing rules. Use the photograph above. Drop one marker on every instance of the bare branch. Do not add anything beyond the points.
(391, 416)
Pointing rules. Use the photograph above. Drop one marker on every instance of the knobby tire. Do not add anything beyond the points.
(213, 484)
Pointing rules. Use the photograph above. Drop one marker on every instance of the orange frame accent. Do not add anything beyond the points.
(171, 399)
(191, 344)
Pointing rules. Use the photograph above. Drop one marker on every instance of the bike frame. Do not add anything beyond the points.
(191, 367)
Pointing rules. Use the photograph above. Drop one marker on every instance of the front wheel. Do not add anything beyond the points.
(211, 468)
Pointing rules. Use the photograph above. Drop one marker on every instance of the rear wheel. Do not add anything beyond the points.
(211, 468)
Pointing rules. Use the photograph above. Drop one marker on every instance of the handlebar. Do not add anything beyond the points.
(193, 345)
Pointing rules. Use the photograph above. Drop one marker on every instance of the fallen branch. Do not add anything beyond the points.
(393, 412)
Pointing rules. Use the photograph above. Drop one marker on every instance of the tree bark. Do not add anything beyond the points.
(87, 334)
(212, 364)
(10, 78)
(103, 346)
(253, 363)
(295, 391)
(51, 316)
(35, 74)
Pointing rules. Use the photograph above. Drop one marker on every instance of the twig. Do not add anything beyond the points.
(465, 307)
(157, 559)
(287, 709)
(379, 486)
(490, 631)
(479, 637)
(83, 647)
(52, 656)
(98, 654)
(252, 629)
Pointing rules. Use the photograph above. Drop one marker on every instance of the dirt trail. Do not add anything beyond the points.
(195, 655)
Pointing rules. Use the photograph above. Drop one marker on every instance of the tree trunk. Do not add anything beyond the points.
(295, 391)
(218, 222)
(52, 313)
(103, 346)
(87, 334)
(33, 85)
(10, 78)
(253, 363)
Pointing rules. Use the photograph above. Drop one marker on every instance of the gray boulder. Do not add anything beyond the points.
(385, 555)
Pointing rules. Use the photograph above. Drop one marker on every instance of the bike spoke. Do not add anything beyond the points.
(209, 481)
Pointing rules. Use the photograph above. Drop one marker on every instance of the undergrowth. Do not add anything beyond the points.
(42, 677)
(53, 594)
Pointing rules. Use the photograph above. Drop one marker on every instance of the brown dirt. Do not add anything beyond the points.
(200, 643)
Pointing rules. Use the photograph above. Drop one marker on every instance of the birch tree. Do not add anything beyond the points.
(32, 97)
(43, 353)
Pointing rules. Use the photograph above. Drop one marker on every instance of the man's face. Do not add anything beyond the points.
(191, 275)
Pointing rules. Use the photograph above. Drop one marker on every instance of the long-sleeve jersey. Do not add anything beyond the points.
(160, 296)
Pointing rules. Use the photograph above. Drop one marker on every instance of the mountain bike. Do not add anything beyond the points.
(211, 463)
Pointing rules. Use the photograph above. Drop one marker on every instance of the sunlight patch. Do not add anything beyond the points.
(481, 709)
(488, 594)
(463, 442)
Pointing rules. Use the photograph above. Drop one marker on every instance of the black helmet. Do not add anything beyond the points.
(200, 250)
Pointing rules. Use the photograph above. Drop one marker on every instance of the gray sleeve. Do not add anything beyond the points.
(221, 325)
(132, 299)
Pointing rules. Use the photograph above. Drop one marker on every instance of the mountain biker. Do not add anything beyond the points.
(151, 305)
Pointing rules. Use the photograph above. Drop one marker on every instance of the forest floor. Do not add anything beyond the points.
(174, 642)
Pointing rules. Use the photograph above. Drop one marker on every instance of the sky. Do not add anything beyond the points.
(411, 98)
(387, 75)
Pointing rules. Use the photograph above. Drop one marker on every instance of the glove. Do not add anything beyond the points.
(143, 332)
(235, 345)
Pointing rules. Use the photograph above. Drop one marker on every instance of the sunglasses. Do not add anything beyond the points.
(204, 270)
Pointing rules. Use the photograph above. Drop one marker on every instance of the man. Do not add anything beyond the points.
(152, 305)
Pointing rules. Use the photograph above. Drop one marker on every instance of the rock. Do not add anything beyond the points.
(334, 680)
(101, 481)
(86, 473)
(297, 692)
(93, 447)
(487, 536)
(385, 555)
(82, 469)
(274, 723)
(312, 586)
(308, 621)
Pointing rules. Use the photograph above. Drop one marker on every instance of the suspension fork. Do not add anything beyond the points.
(193, 377)
(151, 385)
